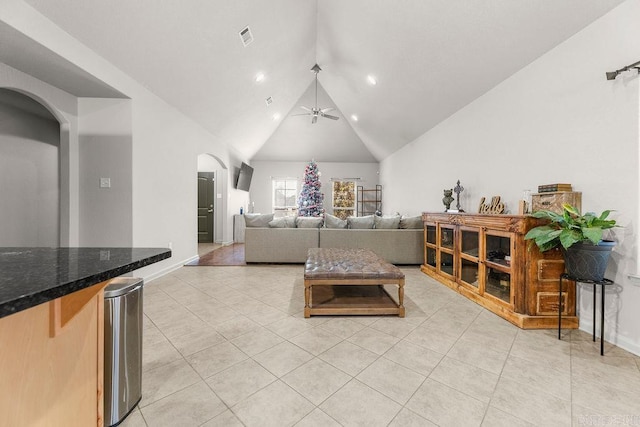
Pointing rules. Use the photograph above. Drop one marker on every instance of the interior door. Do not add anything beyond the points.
(206, 190)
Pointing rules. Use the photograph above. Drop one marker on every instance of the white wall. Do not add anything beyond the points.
(264, 171)
(63, 107)
(557, 120)
(165, 146)
(29, 178)
(104, 127)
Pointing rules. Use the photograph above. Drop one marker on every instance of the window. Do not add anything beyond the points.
(344, 198)
(285, 194)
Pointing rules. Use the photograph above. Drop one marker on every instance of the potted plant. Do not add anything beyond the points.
(579, 236)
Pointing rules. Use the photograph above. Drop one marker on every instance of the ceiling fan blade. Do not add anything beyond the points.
(302, 114)
(306, 108)
(326, 110)
(329, 116)
(314, 119)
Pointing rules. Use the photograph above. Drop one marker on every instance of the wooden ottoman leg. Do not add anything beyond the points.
(401, 298)
(307, 296)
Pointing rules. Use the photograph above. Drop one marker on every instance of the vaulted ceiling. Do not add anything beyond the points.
(430, 58)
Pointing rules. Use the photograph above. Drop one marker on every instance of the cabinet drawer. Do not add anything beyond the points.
(550, 270)
(547, 303)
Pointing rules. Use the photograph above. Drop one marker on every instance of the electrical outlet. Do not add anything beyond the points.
(105, 255)
(105, 182)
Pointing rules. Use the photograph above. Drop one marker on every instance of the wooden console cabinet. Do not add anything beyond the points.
(486, 259)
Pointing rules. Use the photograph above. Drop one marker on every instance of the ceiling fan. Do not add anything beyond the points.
(315, 111)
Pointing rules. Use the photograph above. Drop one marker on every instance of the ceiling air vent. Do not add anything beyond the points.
(246, 36)
(269, 100)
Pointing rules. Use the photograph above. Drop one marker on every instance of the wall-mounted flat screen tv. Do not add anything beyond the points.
(244, 177)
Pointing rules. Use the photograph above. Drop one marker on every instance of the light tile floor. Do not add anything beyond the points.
(229, 346)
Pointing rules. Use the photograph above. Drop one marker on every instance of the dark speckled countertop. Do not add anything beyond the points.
(32, 276)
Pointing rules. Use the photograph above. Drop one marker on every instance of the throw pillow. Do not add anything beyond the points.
(309, 221)
(411, 222)
(257, 220)
(387, 222)
(360, 222)
(284, 222)
(331, 221)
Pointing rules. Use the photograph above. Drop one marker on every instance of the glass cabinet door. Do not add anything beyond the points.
(498, 284)
(431, 234)
(498, 249)
(430, 245)
(469, 253)
(469, 272)
(498, 265)
(470, 242)
(446, 237)
(446, 263)
(431, 256)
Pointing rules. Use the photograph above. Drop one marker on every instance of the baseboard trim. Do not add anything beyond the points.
(169, 269)
(617, 340)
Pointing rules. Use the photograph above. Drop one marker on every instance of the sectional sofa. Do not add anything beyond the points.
(289, 244)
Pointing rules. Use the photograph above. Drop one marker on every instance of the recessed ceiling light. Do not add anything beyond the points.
(354, 117)
(372, 80)
(259, 77)
(276, 116)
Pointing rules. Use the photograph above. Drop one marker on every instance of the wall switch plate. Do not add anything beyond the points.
(105, 182)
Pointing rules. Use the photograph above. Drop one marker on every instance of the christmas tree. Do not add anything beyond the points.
(310, 199)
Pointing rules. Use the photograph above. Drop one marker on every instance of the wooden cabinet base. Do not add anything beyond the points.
(330, 297)
(520, 320)
(51, 362)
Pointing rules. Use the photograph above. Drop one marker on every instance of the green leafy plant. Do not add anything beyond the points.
(569, 228)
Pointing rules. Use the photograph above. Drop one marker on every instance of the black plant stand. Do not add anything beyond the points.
(602, 283)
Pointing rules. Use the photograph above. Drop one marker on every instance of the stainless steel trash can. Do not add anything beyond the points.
(122, 348)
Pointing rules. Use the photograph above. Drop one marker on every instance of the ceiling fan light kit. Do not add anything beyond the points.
(315, 111)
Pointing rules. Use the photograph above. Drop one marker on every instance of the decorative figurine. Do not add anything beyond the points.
(447, 199)
(458, 189)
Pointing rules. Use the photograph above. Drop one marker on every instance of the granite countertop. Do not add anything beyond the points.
(32, 276)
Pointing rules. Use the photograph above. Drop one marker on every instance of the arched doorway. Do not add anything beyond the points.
(30, 172)
(212, 201)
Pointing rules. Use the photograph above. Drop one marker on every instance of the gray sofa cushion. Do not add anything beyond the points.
(360, 222)
(411, 222)
(308, 222)
(284, 245)
(257, 220)
(394, 246)
(386, 222)
(284, 222)
(331, 221)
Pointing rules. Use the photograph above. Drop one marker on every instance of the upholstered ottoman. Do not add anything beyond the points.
(350, 281)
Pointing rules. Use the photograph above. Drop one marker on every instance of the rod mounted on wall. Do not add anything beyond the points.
(611, 75)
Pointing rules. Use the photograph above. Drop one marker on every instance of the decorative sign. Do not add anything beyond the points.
(494, 208)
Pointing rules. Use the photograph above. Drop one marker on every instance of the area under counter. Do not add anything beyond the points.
(52, 331)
